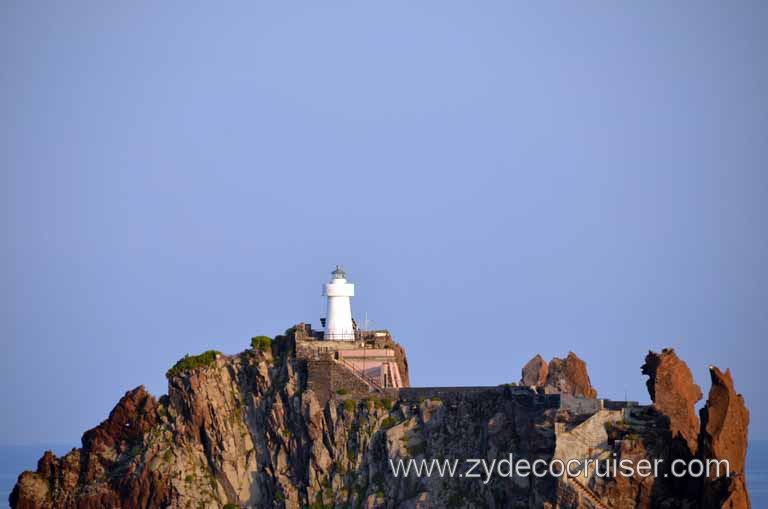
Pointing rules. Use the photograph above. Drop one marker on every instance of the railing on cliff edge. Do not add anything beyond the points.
(368, 379)
(353, 335)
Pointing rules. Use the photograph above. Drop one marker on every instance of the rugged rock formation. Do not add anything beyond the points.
(246, 431)
(569, 376)
(670, 431)
(535, 372)
(562, 376)
(66, 481)
(674, 394)
(667, 431)
(724, 422)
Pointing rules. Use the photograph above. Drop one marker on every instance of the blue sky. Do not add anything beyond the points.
(500, 180)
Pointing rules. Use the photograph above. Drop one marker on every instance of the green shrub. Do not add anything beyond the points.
(342, 392)
(388, 422)
(189, 362)
(261, 343)
(349, 405)
(386, 403)
(231, 506)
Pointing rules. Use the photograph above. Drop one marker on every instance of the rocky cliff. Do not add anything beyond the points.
(669, 431)
(674, 394)
(724, 422)
(559, 376)
(246, 431)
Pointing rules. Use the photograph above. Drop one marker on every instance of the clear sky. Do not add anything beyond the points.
(499, 179)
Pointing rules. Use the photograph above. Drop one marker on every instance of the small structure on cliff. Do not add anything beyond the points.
(342, 359)
(372, 362)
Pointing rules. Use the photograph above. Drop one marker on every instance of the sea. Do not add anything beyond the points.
(16, 458)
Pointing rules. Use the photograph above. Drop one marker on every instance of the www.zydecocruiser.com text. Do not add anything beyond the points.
(485, 470)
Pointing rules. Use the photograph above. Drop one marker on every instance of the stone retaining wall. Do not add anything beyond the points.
(326, 376)
(412, 394)
(579, 405)
(618, 405)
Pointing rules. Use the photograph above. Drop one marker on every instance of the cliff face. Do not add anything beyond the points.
(246, 430)
(724, 422)
(669, 431)
(670, 385)
(101, 473)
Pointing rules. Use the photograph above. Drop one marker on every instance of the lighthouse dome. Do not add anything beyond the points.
(339, 273)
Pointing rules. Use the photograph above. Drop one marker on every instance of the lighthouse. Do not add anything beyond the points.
(338, 321)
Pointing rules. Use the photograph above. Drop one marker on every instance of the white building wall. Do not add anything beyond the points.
(338, 321)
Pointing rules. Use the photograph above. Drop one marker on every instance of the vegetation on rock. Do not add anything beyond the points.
(388, 422)
(189, 362)
(261, 343)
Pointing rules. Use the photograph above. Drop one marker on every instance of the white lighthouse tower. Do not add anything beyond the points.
(338, 321)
